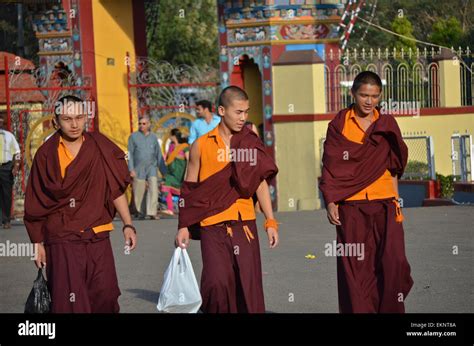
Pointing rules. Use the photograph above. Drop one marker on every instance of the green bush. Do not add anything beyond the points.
(447, 185)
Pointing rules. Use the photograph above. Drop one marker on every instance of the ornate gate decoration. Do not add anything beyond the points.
(168, 93)
(30, 97)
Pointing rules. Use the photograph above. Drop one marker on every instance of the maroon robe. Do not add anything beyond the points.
(81, 274)
(57, 210)
(230, 282)
(236, 180)
(381, 281)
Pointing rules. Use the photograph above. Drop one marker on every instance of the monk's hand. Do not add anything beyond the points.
(40, 259)
(273, 238)
(130, 238)
(182, 238)
(132, 173)
(333, 214)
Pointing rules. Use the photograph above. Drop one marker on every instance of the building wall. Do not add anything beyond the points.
(441, 128)
(113, 38)
(298, 153)
(299, 89)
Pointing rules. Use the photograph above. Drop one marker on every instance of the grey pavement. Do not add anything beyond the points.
(292, 283)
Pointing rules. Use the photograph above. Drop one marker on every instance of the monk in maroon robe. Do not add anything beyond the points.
(364, 155)
(76, 184)
(217, 207)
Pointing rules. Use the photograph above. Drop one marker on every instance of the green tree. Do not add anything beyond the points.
(422, 14)
(447, 32)
(402, 26)
(183, 32)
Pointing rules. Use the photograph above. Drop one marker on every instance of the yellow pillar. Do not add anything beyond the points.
(113, 38)
(298, 89)
(449, 82)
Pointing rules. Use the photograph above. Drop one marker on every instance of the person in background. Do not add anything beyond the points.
(9, 165)
(206, 121)
(176, 162)
(144, 156)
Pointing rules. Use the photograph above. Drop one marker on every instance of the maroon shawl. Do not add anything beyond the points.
(236, 180)
(56, 208)
(349, 167)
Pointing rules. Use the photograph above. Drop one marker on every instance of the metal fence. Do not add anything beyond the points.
(420, 165)
(407, 76)
(467, 82)
(461, 157)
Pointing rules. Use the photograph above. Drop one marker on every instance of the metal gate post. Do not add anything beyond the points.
(430, 157)
(7, 90)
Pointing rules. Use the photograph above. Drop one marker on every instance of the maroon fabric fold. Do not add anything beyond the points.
(84, 266)
(56, 207)
(381, 281)
(231, 283)
(236, 180)
(349, 167)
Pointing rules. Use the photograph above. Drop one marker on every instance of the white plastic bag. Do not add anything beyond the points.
(180, 291)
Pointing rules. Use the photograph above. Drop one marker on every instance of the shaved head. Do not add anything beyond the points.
(230, 94)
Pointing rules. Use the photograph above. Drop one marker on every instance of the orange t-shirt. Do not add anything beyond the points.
(65, 159)
(383, 186)
(212, 161)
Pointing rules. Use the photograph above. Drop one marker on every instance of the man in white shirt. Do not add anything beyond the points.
(9, 165)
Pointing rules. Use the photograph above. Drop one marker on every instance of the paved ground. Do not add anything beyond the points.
(443, 281)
